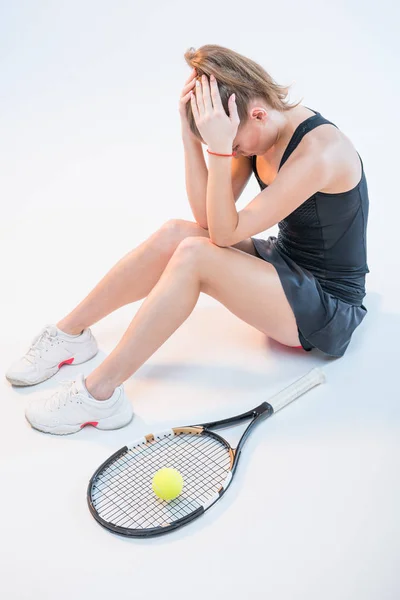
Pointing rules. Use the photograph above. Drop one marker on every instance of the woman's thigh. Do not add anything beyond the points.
(250, 288)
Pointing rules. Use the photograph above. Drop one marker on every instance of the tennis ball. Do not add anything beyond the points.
(167, 483)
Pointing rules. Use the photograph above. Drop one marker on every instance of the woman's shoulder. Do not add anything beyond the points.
(345, 166)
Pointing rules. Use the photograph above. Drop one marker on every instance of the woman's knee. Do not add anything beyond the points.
(174, 231)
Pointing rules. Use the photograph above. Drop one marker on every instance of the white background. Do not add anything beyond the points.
(91, 163)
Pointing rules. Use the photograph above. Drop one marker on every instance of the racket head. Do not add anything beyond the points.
(120, 494)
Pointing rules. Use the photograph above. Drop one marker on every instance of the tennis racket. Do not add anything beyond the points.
(120, 495)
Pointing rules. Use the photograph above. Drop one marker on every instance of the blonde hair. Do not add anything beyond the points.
(237, 74)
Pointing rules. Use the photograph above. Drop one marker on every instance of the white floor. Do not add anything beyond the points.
(92, 164)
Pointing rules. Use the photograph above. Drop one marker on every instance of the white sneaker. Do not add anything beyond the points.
(49, 351)
(71, 408)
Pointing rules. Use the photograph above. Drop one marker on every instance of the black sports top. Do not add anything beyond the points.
(327, 233)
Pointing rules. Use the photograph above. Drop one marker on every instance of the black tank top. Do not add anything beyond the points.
(327, 233)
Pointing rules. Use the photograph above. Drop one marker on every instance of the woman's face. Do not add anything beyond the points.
(248, 140)
(258, 133)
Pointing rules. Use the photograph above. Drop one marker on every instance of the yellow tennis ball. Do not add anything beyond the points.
(167, 483)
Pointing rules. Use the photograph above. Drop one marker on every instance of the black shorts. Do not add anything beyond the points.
(323, 321)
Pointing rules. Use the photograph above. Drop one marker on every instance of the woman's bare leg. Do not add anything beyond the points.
(135, 275)
(248, 287)
(132, 277)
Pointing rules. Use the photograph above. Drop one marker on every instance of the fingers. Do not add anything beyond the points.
(193, 74)
(206, 94)
(216, 98)
(189, 84)
(185, 98)
(199, 98)
(188, 87)
(194, 106)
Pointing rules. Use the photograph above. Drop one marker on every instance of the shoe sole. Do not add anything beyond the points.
(105, 424)
(52, 371)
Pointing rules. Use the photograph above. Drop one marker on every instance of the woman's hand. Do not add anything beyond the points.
(185, 96)
(217, 129)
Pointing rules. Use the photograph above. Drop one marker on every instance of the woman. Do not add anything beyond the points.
(303, 289)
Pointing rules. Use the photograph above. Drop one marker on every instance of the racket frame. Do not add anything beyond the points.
(257, 414)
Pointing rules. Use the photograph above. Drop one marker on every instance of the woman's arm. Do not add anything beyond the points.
(196, 176)
(303, 174)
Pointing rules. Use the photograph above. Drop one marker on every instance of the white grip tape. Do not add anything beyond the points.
(296, 389)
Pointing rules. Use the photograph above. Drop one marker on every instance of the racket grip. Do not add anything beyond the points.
(298, 388)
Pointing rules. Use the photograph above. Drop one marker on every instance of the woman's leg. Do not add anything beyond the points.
(249, 287)
(135, 275)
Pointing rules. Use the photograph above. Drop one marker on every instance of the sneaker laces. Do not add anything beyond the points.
(40, 342)
(63, 396)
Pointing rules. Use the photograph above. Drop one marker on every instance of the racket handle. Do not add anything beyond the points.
(296, 389)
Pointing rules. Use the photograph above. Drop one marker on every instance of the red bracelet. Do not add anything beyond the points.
(216, 153)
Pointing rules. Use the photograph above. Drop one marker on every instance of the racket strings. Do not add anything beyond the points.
(140, 489)
(137, 493)
(184, 463)
(122, 493)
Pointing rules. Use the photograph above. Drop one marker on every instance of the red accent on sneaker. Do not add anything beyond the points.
(66, 362)
(94, 423)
